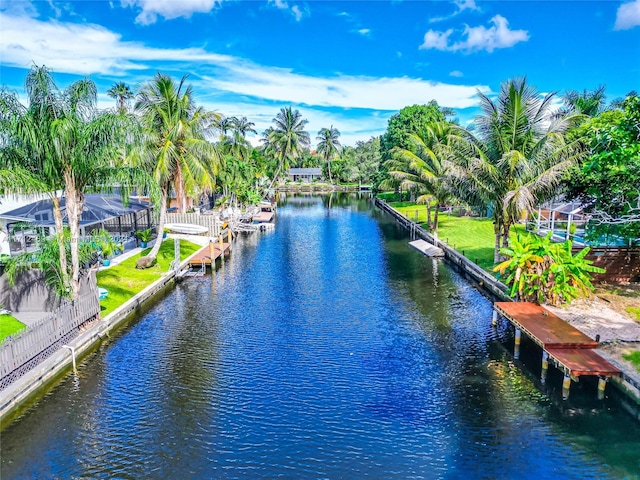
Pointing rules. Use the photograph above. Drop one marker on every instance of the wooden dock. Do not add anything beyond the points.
(263, 217)
(426, 248)
(566, 347)
(210, 252)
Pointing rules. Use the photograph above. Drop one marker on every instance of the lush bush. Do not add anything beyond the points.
(540, 270)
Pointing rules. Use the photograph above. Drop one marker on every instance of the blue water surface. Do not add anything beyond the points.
(324, 349)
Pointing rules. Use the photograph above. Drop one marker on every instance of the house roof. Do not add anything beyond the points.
(97, 209)
(304, 171)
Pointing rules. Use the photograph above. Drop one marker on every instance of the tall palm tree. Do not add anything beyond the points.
(426, 167)
(177, 149)
(243, 126)
(287, 138)
(329, 146)
(518, 157)
(64, 143)
(122, 93)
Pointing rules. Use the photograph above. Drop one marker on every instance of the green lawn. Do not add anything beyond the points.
(472, 236)
(9, 325)
(124, 281)
(633, 357)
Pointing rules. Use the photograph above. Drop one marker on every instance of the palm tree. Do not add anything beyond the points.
(64, 144)
(176, 146)
(425, 168)
(243, 126)
(518, 157)
(586, 103)
(122, 93)
(287, 138)
(329, 146)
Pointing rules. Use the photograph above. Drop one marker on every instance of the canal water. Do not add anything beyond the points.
(324, 349)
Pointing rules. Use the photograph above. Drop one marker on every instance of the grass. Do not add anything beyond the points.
(123, 281)
(633, 357)
(471, 236)
(9, 325)
(634, 312)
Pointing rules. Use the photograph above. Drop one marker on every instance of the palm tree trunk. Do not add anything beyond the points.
(428, 214)
(57, 216)
(435, 218)
(498, 234)
(506, 227)
(329, 168)
(74, 211)
(275, 177)
(161, 221)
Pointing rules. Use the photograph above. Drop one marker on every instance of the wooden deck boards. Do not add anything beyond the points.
(583, 362)
(263, 216)
(205, 254)
(544, 328)
(565, 344)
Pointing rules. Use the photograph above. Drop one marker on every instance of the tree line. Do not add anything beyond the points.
(157, 140)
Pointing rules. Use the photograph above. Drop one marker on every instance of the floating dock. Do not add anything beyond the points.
(566, 347)
(426, 248)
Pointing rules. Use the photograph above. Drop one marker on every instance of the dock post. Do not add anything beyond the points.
(221, 245)
(494, 319)
(566, 385)
(516, 346)
(545, 367)
(229, 238)
(602, 384)
(212, 254)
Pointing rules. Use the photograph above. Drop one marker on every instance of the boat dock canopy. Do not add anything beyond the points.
(426, 248)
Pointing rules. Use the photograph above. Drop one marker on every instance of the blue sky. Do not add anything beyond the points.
(347, 64)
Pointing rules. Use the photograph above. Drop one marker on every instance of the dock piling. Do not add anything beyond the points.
(566, 385)
(545, 367)
(516, 346)
(494, 319)
(602, 384)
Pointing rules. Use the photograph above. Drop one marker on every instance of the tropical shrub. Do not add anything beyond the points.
(539, 270)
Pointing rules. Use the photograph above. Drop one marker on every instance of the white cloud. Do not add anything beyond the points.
(436, 40)
(628, 16)
(462, 6)
(365, 32)
(477, 38)
(295, 10)
(231, 85)
(168, 9)
(19, 7)
(456, 73)
(279, 84)
(84, 49)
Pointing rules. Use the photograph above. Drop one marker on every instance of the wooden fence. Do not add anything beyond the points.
(622, 264)
(462, 263)
(209, 221)
(20, 353)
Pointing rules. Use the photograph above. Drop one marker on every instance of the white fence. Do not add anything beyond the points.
(21, 352)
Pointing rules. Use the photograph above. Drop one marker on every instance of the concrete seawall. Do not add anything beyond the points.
(20, 393)
(626, 383)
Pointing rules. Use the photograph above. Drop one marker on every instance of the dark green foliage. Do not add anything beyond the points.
(609, 178)
(409, 120)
